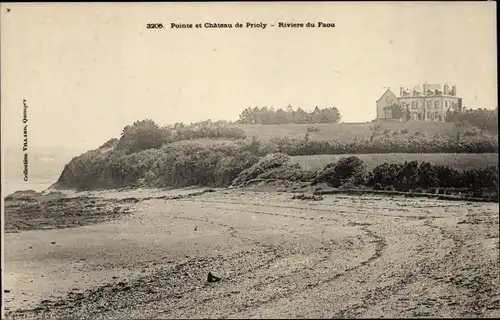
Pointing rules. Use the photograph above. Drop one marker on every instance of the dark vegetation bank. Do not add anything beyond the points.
(145, 156)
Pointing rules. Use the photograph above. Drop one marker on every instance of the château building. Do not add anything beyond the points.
(426, 103)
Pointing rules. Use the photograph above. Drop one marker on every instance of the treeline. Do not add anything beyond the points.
(483, 119)
(267, 115)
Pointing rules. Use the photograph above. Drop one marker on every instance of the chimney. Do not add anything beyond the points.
(401, 89)
(445, 89)
(454, 91)
(424, 88)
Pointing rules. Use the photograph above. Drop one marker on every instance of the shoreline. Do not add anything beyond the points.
(266, 246)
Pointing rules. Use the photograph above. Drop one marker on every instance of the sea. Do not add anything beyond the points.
(45, 165)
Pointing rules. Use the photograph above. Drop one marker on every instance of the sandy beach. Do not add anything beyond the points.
(277, 257)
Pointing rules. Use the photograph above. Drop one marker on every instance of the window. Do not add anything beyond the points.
(446, 104)
(436, 104)
(387, 113)
(414, 105)
(428, 104)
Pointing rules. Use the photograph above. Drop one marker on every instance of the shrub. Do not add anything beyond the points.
(266, 163)
(229, 167)
(312, 129)
(350, 169)
(211, 131)
(171, 166)
(427, 175)
(142, 135)
(448, 177)
(481, 178)
(223, 165)
(404, 131)
(471, 133)
(84, 171)
(402, 144)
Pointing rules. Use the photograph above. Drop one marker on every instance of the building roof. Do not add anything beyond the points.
(386, 91)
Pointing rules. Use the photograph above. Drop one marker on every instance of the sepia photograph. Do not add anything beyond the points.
(269, 160)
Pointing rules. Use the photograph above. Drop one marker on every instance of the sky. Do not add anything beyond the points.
(87, 70)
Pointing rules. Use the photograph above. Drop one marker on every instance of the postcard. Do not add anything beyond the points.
(249, 160)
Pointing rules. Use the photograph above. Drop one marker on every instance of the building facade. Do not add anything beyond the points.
(426, 103)
(383, 104)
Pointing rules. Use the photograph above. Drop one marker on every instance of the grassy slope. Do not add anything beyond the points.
(349, 131)
(344, 131)
(459, 161)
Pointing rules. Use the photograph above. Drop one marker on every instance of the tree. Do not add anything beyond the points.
(281, 116)
(268, 115)
(316, 115)
(300, 116)
(125, 129)
(482, 118)
(142, 135)
(330, 115)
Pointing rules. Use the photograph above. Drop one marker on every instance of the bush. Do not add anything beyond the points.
(401, 144)
(142, 135)
(346, 170)
(265, 164)
(170, 166)
(389, 188)
(197, 131)
(471, 133)
(377, 186)
(143, 156)
(229, 167)
(412, 175)
(312, 129)
(84, 171)
(146, 134)
(222, 165)
(404, 131)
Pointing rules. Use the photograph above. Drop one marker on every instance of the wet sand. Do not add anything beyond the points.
(278, 257)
